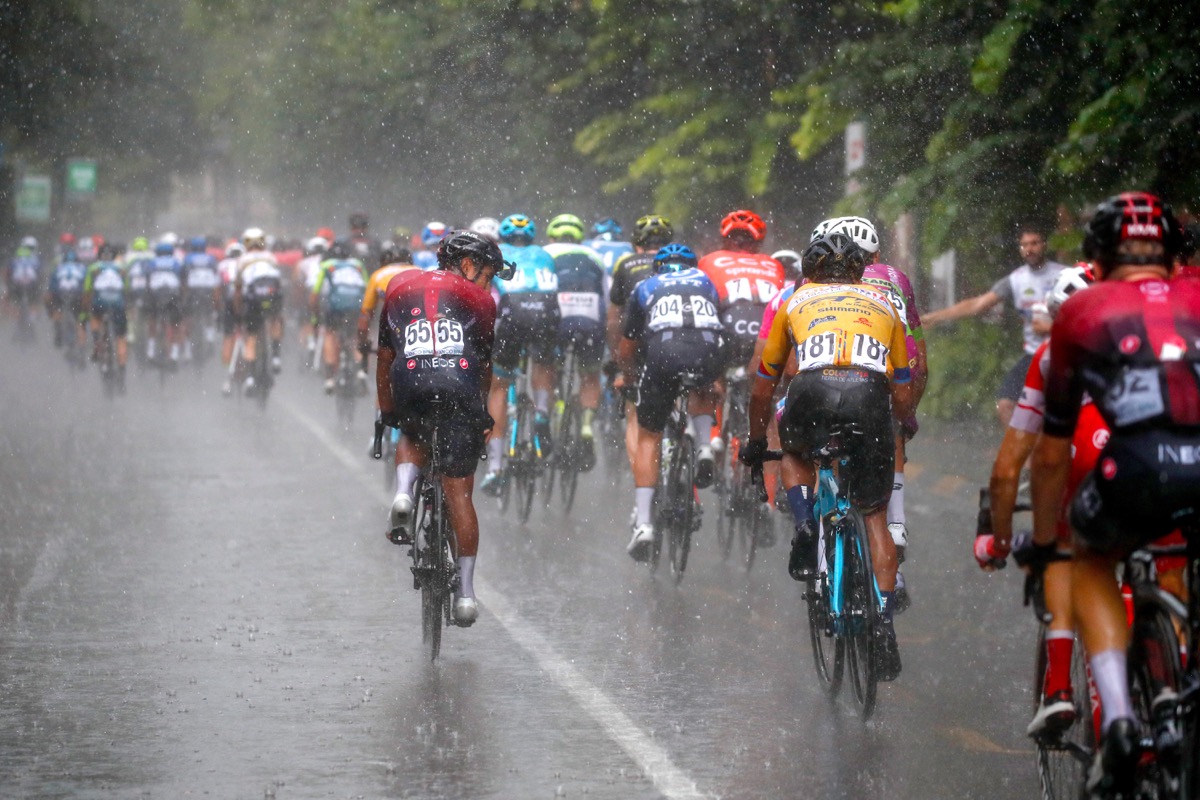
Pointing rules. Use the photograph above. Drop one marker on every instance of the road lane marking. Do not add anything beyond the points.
(653, 759)
(976, 742)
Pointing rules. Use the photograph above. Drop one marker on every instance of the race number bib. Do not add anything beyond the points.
(107, 281)
(579, 304)
(425, 338)
(1137, 396)
(869, 353)
(818, 350)
(163, 281)
(755, 291)
(668, 313)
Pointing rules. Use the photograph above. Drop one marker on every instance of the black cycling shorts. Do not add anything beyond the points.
(820, 400)
(344, 323)
(165, 306)
(460, 418)
(120, 322)
(669, 356)
(1014, 380)
(528, 323)
(588, 340)
(1145, 485)
(255, 312)
(742, 322)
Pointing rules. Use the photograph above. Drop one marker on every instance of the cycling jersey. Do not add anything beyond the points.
(895, 284)
(528, 307)
(837, 325)
(378, 284)
(308, 270)
(25, 269)
(136, 264)
(745, 283)
(200, 270)
(164, 277)
(260, 284)
(347, 279)
(1135, 348)
(1025, 288)
(580, 274)
(610, 251)
(672, 301)
(630, 270)
(67, 280)
(441, 327)
(106, 282)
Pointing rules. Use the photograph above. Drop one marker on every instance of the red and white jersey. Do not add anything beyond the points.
(743, 277)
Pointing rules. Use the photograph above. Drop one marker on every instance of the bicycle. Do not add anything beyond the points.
(434, 545)
(741, 515)
(677, 511)
(523, 447)
(565, 423)
(110, 377)
(348, 387)
(844, 601)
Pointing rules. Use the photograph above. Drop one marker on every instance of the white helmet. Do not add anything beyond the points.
(253, 238)
(234, 249)
(169, 238)
(30, 242)
(857, 228)
(315, 245)
(1069, 281)
(488, 227)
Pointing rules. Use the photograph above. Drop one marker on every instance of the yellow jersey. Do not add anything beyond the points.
(838, 325)
(377, 286)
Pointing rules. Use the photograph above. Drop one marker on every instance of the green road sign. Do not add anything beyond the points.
(33, 199)
(81, 177)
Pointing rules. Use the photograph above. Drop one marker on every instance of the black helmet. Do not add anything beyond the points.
(358, 221)
(834, 258)
(393, 253)
(652, 231)
(339, 249)
(1132, 216)
(458, 245)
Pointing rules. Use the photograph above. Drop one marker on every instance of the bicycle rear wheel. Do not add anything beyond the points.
(568, 452)
(1154, 671)
(829, 650)
(1063, 758)
(438, 563)
(681, 492)
(862, 613)
(526, 471)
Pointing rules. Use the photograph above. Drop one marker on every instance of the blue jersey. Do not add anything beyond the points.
(201, 271)
(164, 275)
(26, 267)
(534, 271)
(610, 251)
(425, 259)
(581, 280)
(67, 279)
(106, 281)
(672, 301)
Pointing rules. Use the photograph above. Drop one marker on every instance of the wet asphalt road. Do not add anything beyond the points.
(196, 599)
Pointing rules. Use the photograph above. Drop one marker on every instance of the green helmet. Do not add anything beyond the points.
(653, 230)
(141, 243)
(566, 226)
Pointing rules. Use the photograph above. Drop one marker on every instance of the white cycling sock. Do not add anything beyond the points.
(466, 576)
(1110, 675)
(702, 424)
(645, 504)
(495, 451)
(541, 400)
(895, 511)
(406, 476)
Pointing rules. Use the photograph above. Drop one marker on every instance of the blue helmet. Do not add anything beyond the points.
(674, 258)
(69, 255)
(164, 249)
(198, 244)
(517, 226)
(433, 233)
(607, 226)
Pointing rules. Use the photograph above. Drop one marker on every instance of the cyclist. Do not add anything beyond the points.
(528, 322)
(1130, 342)
(363, 245)
(202, 292)
(64, 296)
(306, 273)
(230, 322)
(435, 341)
(672, 318)
(24, 275)
(895, 284)
(137, 263)
(1056, 709)
(104, 295)
(258, 301)
(431, 234)
(347, 279)
(606, 240)
(581, 280)
(746, 280)
(650, 232)
(852, 369)
(164, 303)
(394, 260)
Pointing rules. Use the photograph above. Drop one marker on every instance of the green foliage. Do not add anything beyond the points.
(966, 364)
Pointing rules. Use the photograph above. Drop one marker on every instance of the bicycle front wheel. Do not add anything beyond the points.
(862, 612)
(435, 591)
(828, 649)
(568, 448)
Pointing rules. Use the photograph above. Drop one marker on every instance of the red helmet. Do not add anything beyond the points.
(1132, 216)
(326, 234)
(745, 221)
(67, 239)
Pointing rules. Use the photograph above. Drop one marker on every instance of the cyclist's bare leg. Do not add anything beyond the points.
(1004, 410)
(276, 332)
(332, 345)
(589, 392)
(883, 549)
(497, 403)
(250, 349)
(1100, 619)
(542, 378)
(122, 351)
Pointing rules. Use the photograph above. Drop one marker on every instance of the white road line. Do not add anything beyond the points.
(637, 743)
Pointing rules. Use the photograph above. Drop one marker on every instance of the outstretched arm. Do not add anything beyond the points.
(971, 307)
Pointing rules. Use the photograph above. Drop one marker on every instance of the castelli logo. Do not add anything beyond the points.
(462, 362)
(1100, 438)
(1108, 468)
(1130, 344)
(416, 312)
(412, 363)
